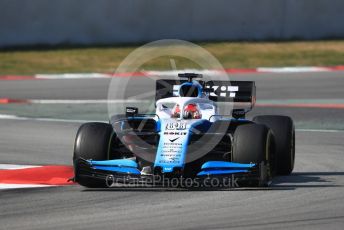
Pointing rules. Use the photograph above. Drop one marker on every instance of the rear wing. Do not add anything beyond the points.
(242, 93)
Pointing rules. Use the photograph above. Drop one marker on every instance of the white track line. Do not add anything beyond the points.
(13, 117)
(72, 76)
(13, 166)
(321, 130)
(16, 186)
(68, 101)
(176, 72)
(286, 102)
(301, 69)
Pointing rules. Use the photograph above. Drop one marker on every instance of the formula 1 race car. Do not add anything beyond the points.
(188, 139)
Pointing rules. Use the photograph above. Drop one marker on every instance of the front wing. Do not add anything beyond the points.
(125, 173)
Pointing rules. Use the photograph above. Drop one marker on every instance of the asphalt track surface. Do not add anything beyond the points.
(313, 85)
(311, 198)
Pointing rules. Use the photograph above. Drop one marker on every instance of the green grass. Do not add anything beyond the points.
(230, 55)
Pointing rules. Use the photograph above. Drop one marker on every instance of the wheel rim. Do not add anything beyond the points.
(292, 153)
(268, 154)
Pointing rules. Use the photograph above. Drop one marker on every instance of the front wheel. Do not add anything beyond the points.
(92, 141)
(253, 143)
(284, 133)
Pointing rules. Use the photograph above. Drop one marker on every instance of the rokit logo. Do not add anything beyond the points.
(227, 91)
(223, 91)
(175, 133)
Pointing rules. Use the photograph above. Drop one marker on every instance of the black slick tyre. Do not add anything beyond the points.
(253, 143)
(284, 136)
(92, 142)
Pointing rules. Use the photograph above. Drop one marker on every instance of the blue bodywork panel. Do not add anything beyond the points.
(225, 164)
(224, 168)
(115, 169)
(220, 172)
(118, 163)
(118, 166)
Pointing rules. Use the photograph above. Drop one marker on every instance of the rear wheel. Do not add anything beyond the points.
(253, 143)
(92, 141)
(284, 135)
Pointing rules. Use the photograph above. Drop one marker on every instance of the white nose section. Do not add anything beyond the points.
(174, 137)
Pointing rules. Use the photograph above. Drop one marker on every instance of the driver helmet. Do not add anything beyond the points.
(191, 111)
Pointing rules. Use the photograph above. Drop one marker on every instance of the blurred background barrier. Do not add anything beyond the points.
(87, 22)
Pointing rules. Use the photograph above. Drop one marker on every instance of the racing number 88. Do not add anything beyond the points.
(176, 126)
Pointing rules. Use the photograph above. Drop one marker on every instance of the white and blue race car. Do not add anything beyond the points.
(187, 139)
